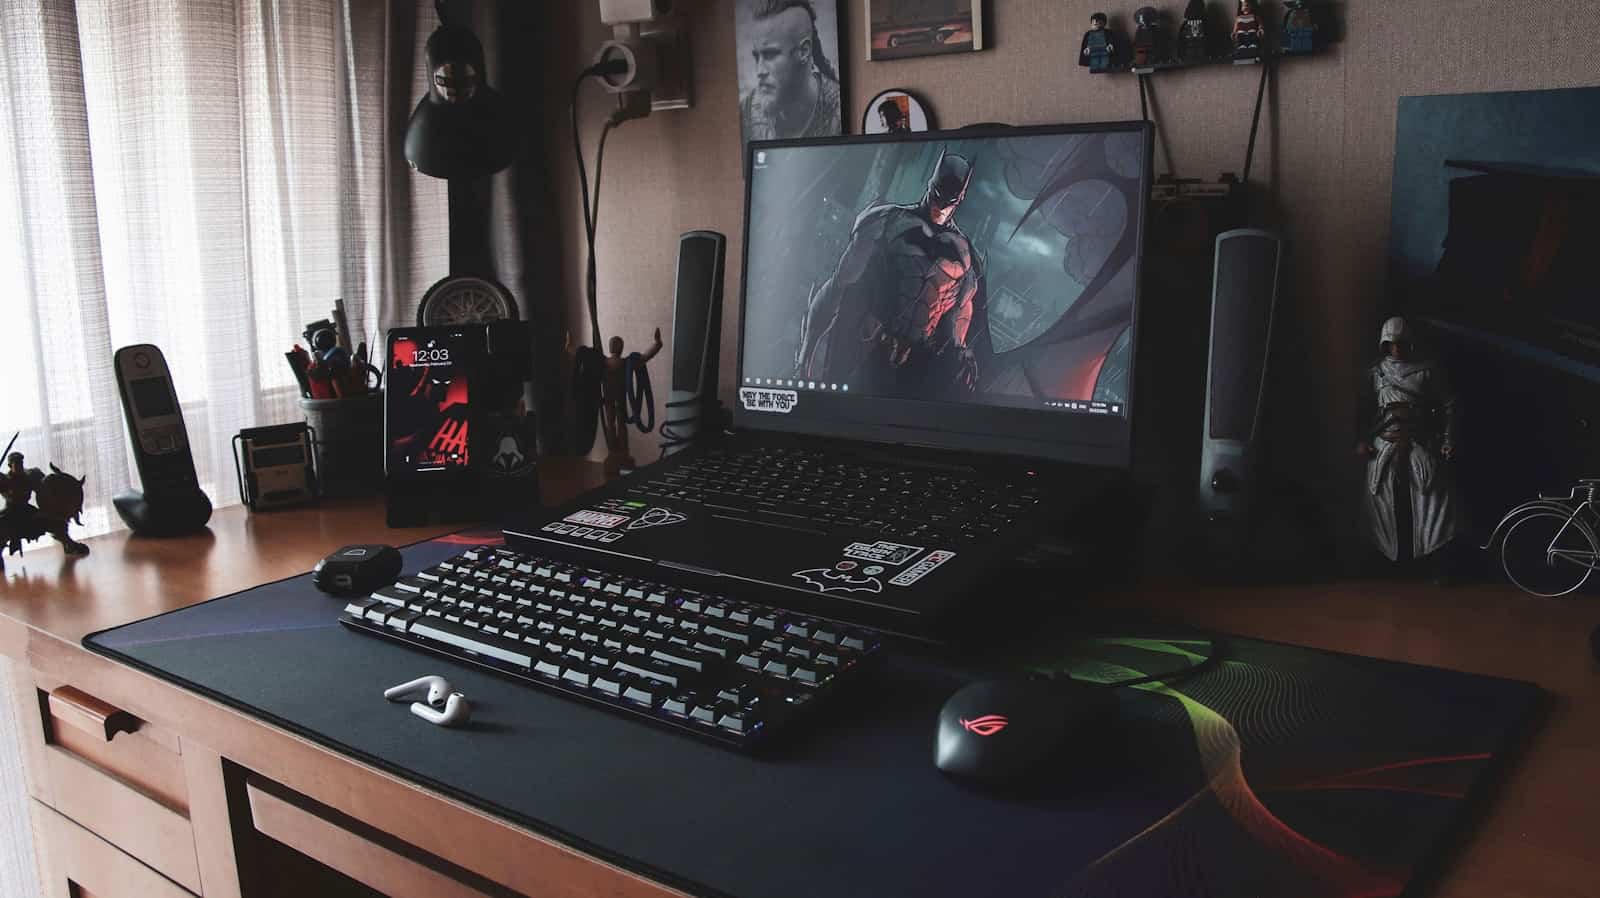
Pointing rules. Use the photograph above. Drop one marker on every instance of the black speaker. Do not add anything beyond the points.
(1244, 290)
(692, 410)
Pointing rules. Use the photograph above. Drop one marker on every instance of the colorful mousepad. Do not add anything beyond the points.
(1271, 771)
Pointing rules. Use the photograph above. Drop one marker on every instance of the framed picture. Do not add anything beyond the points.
(894, 110)
(897, 29)
(788, 68)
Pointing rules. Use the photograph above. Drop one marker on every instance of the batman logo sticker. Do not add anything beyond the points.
(830, 580)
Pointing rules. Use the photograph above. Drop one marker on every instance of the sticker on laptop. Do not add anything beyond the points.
(761, 399)
(657, 517)
(591, 518)
(922, 568)
(881, 552)
(836, 580)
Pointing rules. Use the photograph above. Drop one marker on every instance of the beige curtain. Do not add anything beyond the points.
(208, 176)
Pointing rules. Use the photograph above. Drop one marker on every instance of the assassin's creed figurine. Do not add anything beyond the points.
(60, 498)
(1409, 495)
(1100, 44)
(1299, 27)
(1193, 43)
(1149, 41)
(1247, 32)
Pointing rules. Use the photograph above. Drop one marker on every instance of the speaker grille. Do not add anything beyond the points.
(1241, 315)
(696, 308)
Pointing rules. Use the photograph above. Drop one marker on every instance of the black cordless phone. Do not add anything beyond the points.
(155, 422)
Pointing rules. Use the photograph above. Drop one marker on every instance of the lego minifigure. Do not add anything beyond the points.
(1100, 44)
(1192, 37)
(1299, 27)
(1247, 32)
(1149, 41)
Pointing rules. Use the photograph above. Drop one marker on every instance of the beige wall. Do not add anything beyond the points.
(1326, 151)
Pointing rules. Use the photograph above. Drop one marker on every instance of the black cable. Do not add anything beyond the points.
(1144, 108)
(594, 225)
(588, 218)
(636, 390)
(589, 361)
(1255, 122)
(599, 69)
(588, 372)
(671, 435)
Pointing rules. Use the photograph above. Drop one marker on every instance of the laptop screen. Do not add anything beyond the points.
(972, 290)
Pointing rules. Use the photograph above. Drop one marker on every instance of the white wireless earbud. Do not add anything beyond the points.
(456, 710)
(438, 689)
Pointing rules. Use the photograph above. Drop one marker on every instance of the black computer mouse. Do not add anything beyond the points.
(357, 570)
(1010, 730)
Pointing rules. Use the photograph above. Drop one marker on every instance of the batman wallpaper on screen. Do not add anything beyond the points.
(996, 270)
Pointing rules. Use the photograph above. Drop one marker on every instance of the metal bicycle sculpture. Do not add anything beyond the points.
(1548, 546)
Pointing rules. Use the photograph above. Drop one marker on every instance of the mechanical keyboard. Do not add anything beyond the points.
(729, 671)
(898, 501)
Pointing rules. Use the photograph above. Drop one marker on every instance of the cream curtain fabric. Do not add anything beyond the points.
(208, 176)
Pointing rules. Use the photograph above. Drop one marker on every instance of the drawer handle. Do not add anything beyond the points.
(95, 717)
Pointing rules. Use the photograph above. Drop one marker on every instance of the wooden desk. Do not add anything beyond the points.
(192, 790)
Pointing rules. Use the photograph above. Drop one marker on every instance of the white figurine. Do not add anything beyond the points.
(1410, 498)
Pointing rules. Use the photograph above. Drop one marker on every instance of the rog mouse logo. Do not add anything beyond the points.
(987, 725)
(829, 580)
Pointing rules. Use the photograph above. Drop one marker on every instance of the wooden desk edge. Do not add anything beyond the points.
(490, 846)
(469, 837)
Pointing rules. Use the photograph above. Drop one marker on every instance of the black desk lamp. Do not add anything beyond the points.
(462, 127)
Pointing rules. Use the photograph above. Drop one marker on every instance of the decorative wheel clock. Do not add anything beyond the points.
(465, 299)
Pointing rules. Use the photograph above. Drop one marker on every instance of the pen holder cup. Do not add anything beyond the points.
(349, 443)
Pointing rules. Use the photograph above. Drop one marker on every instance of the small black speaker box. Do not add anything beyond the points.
(692, 411)
(1243, 294)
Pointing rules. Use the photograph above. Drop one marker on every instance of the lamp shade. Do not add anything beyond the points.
(462, 127)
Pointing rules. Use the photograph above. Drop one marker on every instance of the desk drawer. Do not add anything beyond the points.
(77, 863)
(371, 858)
(117, 775)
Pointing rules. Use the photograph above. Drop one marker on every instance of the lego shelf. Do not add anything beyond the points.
(1128, 68)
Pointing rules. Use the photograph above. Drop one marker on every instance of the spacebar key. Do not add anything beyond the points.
(458, 636)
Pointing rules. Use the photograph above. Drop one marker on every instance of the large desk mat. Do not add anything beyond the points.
(1277, 770)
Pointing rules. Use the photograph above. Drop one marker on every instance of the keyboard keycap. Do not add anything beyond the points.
(727, 632)
(579, 674)
(656, 669)
(643, 692)
(466, 638)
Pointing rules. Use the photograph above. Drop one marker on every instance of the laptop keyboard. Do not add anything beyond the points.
(822, 488)
(724, 670)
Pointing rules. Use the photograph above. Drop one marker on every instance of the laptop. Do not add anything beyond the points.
(936, 365)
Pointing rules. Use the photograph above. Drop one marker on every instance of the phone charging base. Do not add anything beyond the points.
(167, 514)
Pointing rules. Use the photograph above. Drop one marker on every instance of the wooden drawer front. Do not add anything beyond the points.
(355, 850)
(138, 753)
(76, 863)
(118, 776)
